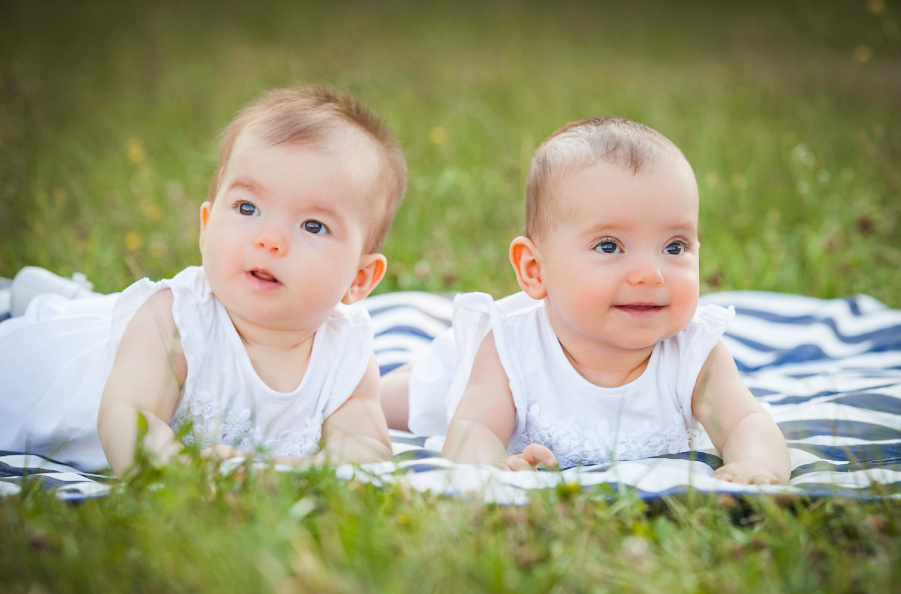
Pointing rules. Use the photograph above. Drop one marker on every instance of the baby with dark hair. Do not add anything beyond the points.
(605, 354)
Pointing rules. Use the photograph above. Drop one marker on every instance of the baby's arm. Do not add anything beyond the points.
(483, 422)
(752, 446)
(146, 376)
(394, 397)
(356, 433)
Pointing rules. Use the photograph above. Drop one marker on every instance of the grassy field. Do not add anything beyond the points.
(790, 113)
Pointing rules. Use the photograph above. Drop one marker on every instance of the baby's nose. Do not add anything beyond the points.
(645, 271)
(272, 241)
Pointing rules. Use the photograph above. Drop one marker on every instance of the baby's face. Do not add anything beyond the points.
(621, 265)
(283, 240)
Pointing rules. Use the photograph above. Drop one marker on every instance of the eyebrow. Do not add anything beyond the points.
(325, 210)
(614, 227)
(250, 186)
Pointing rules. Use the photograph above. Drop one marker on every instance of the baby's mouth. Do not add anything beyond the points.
(640, 308)
(263, 275)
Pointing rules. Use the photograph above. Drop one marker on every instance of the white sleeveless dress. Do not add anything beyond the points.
(555, 406)
(55, 359)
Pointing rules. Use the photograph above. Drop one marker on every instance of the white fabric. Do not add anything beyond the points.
(555, 406)
(55, 359)
(430, 378)
(840, 416)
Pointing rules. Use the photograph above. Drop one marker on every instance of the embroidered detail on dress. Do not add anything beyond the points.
(298, 443)
(572, 444)
(204, 413)
(238, 429)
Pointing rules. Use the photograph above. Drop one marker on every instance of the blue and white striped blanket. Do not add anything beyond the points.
(828, 370)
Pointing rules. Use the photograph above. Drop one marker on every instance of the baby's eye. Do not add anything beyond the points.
(247, 209)
(677, 248)
(607, 247)
(315, 227)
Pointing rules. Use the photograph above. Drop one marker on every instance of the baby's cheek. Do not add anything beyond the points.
(213, 267)
(333, 278)
(685, 297)
(588, 303)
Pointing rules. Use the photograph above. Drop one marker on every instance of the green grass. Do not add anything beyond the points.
(788, 111)
(187, 529)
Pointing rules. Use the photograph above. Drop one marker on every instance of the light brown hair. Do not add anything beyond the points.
(614, 140)
(311, 115)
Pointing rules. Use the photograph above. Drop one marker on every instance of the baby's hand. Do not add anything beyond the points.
(748, 473)
(529, 459)
(293, 461)
(162, 446)
(223, 452)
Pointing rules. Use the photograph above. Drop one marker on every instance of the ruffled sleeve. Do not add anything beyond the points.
(475, 314)
(190, 292)
(471, 323)
(693, 345)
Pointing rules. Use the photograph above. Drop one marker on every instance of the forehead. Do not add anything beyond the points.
(337, 170)
(661, 196)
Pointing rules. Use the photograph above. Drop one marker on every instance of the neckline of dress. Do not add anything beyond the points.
(562, 362)
(245, 362)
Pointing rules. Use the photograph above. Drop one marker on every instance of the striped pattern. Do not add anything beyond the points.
(67, 483)
(829, 371)
(405, 323)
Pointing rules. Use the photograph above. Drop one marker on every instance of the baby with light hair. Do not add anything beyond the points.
(605, 354)
(259, 351)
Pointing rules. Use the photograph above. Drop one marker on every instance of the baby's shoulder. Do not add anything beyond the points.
(191, 281)
(354, 315)
(345, 339)
(512, 308)
(185, 296)
(152, 331)
(713, 316)
(160, 302)
(155, 314)
(708, 324)
(683, 355)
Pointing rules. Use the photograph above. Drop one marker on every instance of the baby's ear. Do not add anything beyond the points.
(204, 219)
(526, 261)
(369, 275)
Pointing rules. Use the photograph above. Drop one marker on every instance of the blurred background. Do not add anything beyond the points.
(788, 111)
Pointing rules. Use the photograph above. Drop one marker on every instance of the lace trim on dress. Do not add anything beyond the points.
(203, 412)
(238, 430)
(573, 445)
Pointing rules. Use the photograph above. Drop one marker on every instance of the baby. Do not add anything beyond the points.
(258, 350)
(605, 354)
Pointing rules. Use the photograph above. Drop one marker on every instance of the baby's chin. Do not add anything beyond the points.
(271, 316)
(279, 320)
(634, 345)
(637, 341)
